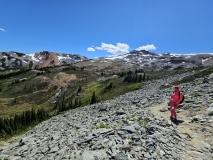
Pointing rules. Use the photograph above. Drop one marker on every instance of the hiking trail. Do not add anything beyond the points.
(197, 133)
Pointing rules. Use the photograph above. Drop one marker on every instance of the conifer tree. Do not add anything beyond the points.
(144, 77)
(16, 122)
(140, 78)
(147, 78)
(93, 100)
(76, 102)
(3, 134)
(23, 119)
(28, 117)
(70, 105)
(1, 123)
(33, 115)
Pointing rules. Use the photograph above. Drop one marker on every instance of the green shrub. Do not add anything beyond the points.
(103, 126)
(187, 107)
(143, 122)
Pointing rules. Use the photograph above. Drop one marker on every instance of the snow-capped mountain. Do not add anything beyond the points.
(45, 58)
(136, 59)
(39, 59)
(165, 61)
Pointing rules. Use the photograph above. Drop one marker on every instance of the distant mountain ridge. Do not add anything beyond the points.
(12, 60)
(136, 59)
(165, 61)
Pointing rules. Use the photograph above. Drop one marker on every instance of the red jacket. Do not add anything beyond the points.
(175, 97)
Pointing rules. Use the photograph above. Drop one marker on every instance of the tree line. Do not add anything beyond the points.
(8, 75)
(64, 106)
(135, 78)
(18, 123)
(122, 74)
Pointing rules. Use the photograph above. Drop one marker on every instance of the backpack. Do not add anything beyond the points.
(182, 98)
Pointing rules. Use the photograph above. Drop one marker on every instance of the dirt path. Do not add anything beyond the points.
(197, 133)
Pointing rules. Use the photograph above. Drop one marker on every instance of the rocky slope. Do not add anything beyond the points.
(124, 128)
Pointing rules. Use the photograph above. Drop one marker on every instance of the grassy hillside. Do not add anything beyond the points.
(17, 96)
(39, 87)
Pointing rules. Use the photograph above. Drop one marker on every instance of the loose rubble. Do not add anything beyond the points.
(121, 129)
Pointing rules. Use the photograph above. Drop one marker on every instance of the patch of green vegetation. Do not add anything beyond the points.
(127, 118)
(193, 94)
(143, 122)
(133, 115)
(149, 105)
(184, 80)
(187, 107)
(92, 128)
(103, 126)
(194, 76)
(161, 74)
(119, 88)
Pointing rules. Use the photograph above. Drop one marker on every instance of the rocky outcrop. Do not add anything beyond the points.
(121, 128)
(13, 60)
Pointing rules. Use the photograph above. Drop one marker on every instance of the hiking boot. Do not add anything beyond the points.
(171, 118)
(175, 121)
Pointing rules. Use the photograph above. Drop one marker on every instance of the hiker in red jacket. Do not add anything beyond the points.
(174, 102)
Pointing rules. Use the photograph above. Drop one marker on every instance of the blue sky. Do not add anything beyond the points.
(100, 28)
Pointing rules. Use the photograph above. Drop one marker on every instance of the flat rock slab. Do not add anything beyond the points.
(129, 129)
(102, 131)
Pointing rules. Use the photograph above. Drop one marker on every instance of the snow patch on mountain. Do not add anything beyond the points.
(32, 55)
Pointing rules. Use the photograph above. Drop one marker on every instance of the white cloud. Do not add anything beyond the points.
(1, 29)
(120, 48)
(90, 49)
(147, 47)
(99, 48)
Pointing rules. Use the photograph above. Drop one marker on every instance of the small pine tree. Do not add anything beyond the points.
(76, 102)
(15, 100)
(33, 115)
(147, 78)
(70, 105)
(129, 78)
(79, 102)
(110, 85)
(62, 106)
(140, 78)
(93, 100)
(135, 79)
(3, 134)
(79, 89)
(144, 77)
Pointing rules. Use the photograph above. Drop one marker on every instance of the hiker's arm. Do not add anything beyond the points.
(180, 98)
